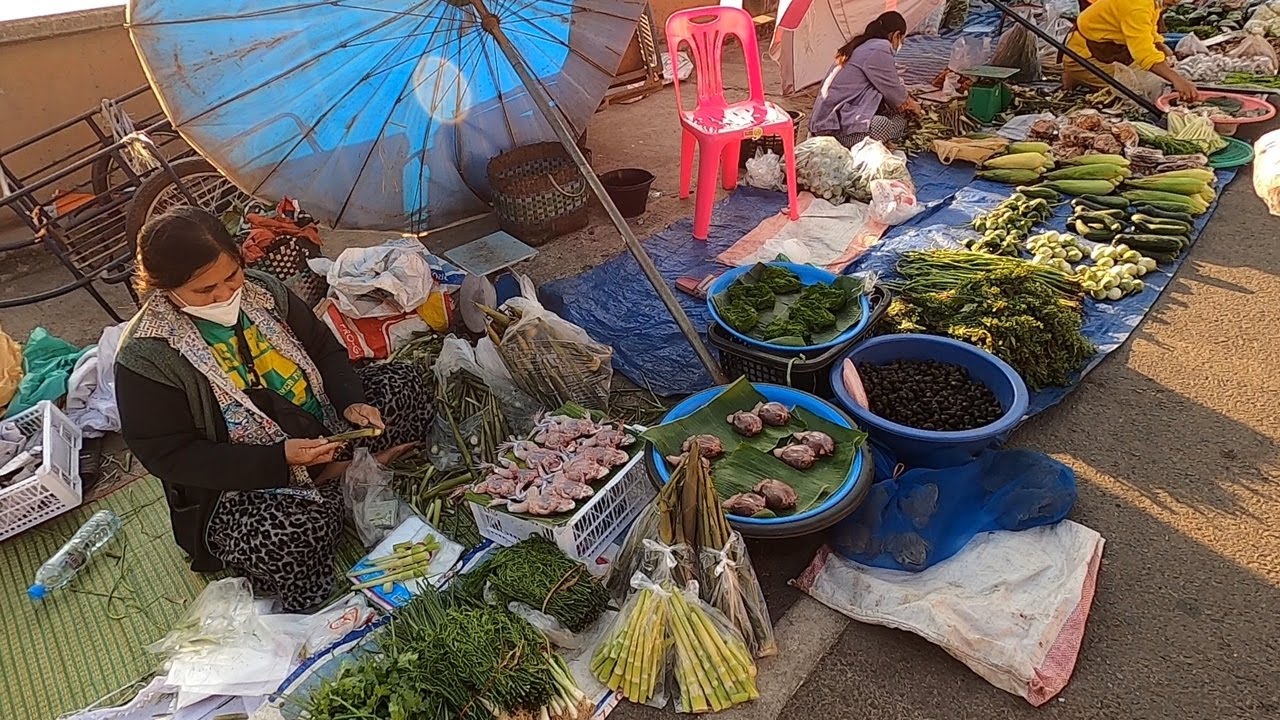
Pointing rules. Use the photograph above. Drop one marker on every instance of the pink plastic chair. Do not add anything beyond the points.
(717, 126)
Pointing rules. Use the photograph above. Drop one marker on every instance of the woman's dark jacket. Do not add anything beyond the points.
(197, 464)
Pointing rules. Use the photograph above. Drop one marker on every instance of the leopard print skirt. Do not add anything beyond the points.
(284, 543)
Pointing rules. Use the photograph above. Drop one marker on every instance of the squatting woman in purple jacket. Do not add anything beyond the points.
(863, 95)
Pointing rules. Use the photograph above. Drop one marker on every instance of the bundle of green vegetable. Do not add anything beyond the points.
(769, 303)
(437, 659)
(711, 664)
(1006, 226)
(536, 573)
(432, 493)
(1018, 311)
(406, 561)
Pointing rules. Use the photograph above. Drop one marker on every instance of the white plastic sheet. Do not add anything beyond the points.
(1011, 606)
(91, 389)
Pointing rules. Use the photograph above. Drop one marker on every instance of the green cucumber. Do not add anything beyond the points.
(1107, 201)
(1173, 207)
(1146, 243)
(1042, 193)
(1090, 233)
(1154, 211)
(1163, 225)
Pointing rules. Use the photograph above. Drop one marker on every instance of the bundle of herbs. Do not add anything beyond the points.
(1019, 312)
(440, 659)
(535, 572)
(474, 422)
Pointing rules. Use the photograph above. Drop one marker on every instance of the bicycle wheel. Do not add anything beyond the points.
(159, 192)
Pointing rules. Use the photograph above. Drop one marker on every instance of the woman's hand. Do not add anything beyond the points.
(1186, 89)
(911, 107)
(362, 415)
(309, 452)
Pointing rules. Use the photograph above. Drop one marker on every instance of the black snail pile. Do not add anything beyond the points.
(929, 395)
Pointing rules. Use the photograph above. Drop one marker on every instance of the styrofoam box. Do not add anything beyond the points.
(55, 487)
(595, 524)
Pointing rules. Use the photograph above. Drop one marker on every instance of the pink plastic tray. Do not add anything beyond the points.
(1250, 102)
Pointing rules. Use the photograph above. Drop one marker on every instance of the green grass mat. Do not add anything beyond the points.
(87, 639)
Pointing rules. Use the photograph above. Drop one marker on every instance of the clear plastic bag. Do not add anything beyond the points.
(872, 161)
(765, 171)
(1190, 45)
(1255, 46)
(1266, 170)
(458, 375)
(1147, 84)
(553, 360)
(712, 666)
(633, 655)
(374, 507)
(223, 614)
(893, 202)
(551, 628)
(733, 589)
(967, 52)
(1017, 49)
(825, 168)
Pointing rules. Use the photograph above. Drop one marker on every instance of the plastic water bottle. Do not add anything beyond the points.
(58, 570)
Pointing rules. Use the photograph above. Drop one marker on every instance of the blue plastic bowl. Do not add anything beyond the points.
(809, 275)
(791, 398)
(933, 448)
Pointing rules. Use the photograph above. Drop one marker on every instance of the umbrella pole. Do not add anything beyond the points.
(556, 120)
(1119, 87)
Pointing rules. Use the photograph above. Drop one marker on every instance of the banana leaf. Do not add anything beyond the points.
(710, 420)
(847, 317)
(746, 466)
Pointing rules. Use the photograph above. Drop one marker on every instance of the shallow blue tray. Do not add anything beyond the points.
(809, 275)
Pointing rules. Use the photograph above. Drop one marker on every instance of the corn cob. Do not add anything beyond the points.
(1081, 187)
(1017, 161)
(1029, 147)
(1197, 173)
(1178, 185)
(1120, 160)
(1193, 204)
(1010, 177)
(1088, 172)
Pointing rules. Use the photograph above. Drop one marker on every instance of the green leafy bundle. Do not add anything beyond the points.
(536, 573)
(1009, 313)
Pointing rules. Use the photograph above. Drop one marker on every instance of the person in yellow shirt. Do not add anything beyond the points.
(1123, 31)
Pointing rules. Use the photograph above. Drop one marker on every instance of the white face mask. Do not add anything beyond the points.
(225, 313)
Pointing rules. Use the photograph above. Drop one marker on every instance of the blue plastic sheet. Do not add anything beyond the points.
(923, 517)
(616, 305)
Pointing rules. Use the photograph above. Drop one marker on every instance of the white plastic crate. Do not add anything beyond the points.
(591, 528)
(55, 487)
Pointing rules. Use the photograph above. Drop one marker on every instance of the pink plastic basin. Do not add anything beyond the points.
(1250, 102)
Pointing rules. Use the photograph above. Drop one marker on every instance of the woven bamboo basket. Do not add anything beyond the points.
(538, 192)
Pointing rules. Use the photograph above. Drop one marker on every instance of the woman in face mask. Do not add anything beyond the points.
(863, 95)
(226, 382)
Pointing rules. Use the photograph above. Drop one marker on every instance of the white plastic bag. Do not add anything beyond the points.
(1145, 83)
(374, 507)
(824, 167)
(389, 279)
(893, 202)
(1255, 46)
(1266, 170)
(1190, 45)
(553, 360)
(765, 171)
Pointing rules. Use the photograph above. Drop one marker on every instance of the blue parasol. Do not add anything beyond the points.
(377, 114)
(383, 114)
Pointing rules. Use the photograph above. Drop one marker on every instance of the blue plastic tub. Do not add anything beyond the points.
(809, 275)
(857, 482)
(934, 448)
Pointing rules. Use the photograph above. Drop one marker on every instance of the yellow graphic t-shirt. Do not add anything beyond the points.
(278, 372)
